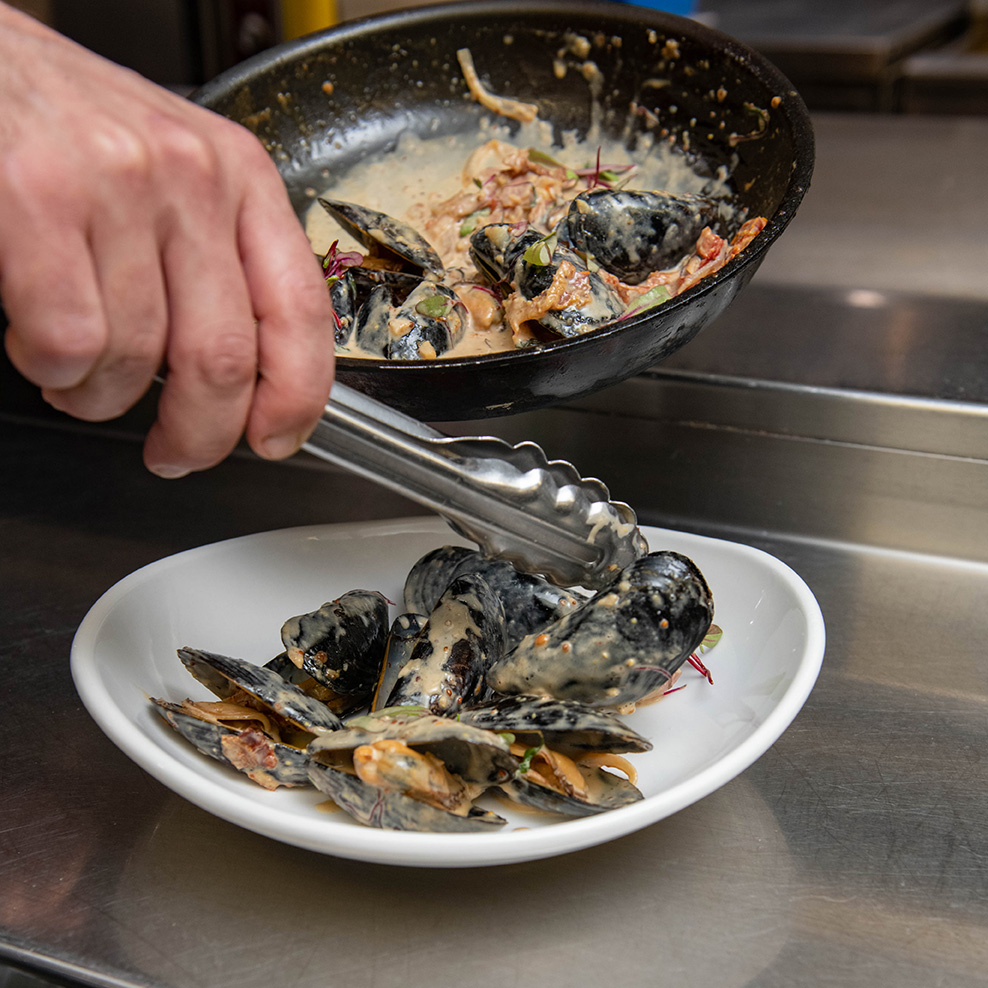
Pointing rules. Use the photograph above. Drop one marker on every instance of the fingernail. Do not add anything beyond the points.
(280, 447)
(169, 471)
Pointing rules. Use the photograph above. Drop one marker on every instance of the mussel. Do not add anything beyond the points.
(450, 656)
(552, 285)
(390, 242)
(261, 724)
(631, 233)
(401, 642)
(429, 321)
(406, 769)
(620, 647)
(563, 747)
(341, 644)
(530, 602)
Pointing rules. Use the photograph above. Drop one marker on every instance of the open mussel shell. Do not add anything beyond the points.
(406, 794)
(376, 807)
(385, 236)
(401, 641)
(564, 725)
(621, 646)
(267, 762)
(224, 675)
(605, 791)
(477, 756)
(424, 326)
(532, 274)
(341, 644)
(530, 602)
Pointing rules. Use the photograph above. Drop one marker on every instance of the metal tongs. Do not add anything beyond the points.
(511, 500)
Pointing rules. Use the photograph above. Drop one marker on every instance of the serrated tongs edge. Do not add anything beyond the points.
(511, 500)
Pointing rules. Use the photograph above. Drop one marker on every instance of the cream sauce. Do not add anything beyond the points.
(411, 182)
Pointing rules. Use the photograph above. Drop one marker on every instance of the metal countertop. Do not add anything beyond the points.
(853, 853)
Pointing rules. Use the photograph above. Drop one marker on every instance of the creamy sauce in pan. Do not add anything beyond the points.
(410, 182)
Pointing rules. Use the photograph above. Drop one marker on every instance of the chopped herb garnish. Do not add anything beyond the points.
(649, 300)
(435, 306)
(470, 223)
(526, 762)
(541, 158)
(540, 253)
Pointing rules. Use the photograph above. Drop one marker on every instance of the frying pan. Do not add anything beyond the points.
(323, 103)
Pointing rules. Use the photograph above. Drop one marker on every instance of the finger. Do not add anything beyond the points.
(295, 324)
(211, 351)
(57, 329)
(131, 285)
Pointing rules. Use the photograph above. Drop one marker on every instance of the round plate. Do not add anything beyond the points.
(233, 597)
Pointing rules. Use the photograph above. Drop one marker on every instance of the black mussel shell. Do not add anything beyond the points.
(452, 653)
(426, 324)
(393, 810)
(224, 675)
(631, 234)
(401, 641)
(341, 644)
(385, 236)
(564, 725)
(605, 792)
(620, 646)
(532, 273)
(343, 295)
(268, 763)
(530, 602)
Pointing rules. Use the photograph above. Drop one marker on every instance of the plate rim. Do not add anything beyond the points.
(435, 849)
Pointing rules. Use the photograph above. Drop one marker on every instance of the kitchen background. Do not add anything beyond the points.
(912, 56)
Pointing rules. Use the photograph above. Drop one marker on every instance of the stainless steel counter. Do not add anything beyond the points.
(837, 423)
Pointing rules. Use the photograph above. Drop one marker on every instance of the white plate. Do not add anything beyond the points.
(233, 597)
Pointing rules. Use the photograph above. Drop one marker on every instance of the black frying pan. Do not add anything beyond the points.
(328, 100)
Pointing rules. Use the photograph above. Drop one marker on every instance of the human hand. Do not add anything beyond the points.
(140, 231)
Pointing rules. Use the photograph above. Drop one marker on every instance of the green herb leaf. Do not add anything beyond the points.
(435, 306)
(540, 253)
(713, 635)
(541, 158)
(526, 762)
(470, 223)
(506, 736)
(653, 297)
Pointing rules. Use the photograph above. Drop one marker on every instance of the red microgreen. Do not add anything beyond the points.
(335, 262)
(695, 662)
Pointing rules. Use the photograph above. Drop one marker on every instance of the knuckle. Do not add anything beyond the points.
(122, 153)
(226, 362)
(186, 154)
(78, 341)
